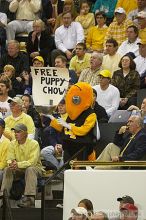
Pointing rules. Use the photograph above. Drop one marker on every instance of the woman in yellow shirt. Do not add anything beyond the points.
(96, 34)
(85, 18)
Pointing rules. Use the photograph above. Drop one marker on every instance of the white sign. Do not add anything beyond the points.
(103, 187)
(49, 85)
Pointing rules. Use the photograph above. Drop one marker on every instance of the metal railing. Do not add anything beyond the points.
(78, 164)
(48, 180)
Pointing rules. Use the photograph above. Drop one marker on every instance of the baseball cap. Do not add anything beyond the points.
(19, 127)
(120, 10)
(39, 58)
(129, 207)
(79, 211)
(2, 123)
(126, 199)
(141, 14)
(16, 99)
(105, 73)
(142, 41)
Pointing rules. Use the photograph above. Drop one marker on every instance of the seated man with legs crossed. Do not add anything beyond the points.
(129, 143)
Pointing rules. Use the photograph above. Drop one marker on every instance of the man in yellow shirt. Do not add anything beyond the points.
(141, 16)
(4, 142)
(118, 27)
(128, 5)
(18, 116)
(23, 160)
(81, 60)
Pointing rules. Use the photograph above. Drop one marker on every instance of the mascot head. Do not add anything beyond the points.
(78, 99)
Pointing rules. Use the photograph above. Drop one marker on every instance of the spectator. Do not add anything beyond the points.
(141, 16)
(86, 19)
(142, 109)
(129, 212)
(3, 24)
(99, 216)
(129, 143)
(61, 62)
(127, 80)
(117, 28)
(81, 60)
(108, 96)
(127, 5)
(4, 142)
(91, 74)
(16, 105)
(112, 58)
(141, 6)
(29, 109)
(67, 36)
(38, 61)
(26, 12)
(39, 42)
(79, 213)
(5, 86)
(125, 199)
(141, 59)
(108, 7)
(100, 112)
(17, 86)
(25, 161)
(15, 58)
(68, 6)
(130, 45)
(96, 34)
(87, 204)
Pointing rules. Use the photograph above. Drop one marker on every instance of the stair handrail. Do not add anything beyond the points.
(49, 179)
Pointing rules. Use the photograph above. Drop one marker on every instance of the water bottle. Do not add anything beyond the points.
(144, 122)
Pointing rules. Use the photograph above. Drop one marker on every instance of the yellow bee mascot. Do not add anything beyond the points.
(77, 130)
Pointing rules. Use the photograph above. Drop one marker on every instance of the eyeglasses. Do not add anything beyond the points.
(99, 17)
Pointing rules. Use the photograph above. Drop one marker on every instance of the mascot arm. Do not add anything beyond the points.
(55, 125)
(86, 127)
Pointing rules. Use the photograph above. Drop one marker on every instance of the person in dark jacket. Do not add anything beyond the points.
(29, 109)
(129, 143)
(39, 42)
(15, 58)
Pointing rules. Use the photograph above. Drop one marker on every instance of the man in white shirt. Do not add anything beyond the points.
(67, 36)
(130, 45)
(141, 59)
(112, 58)
(141, 6)
(26, 11)
(108, 96)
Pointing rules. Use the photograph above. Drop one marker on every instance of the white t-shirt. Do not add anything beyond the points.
(109, 98)
(140, 64)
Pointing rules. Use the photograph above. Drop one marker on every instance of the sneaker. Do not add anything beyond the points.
(27, 202)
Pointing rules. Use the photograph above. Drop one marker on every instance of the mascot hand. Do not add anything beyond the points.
(63, 123)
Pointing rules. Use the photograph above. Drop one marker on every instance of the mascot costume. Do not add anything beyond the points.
(78, 129)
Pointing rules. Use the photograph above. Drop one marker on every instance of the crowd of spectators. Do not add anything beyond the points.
(103, 44)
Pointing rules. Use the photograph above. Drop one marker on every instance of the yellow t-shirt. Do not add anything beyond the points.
(4, 143)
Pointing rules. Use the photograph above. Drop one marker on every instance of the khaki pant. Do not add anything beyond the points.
(31, 174)
(110, 151)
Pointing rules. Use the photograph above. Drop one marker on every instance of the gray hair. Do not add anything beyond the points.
(98, 55)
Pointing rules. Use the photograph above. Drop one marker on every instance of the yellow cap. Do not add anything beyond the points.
(142, 41)
(39, 58)
(105, 73)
